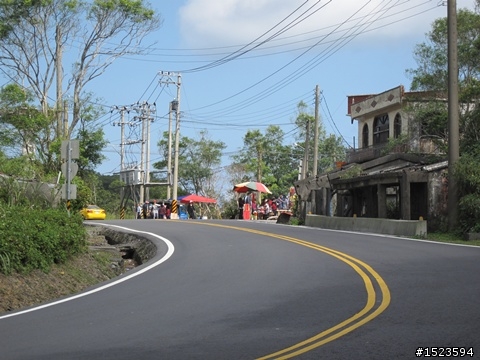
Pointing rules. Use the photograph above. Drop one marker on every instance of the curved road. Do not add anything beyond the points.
(252, 290)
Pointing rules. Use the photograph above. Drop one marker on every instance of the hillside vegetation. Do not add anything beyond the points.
(37, 239)
(94, 264)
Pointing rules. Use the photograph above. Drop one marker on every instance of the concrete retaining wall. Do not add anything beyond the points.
(371, 225)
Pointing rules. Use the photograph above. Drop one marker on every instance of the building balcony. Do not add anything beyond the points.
(370, 153)
(425, 145)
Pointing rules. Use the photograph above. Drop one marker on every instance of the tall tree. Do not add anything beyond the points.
(431, 56)
(198, 161)
(17, 11)
(22, 126)
(432, 75)
(26, 131)
(92, 140)
(95, 34)
(330, 148)
(265, 158)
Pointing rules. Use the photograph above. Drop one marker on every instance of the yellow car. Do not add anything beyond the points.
(93, 212)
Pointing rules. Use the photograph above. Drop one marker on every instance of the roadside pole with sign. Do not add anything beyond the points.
(70, 150)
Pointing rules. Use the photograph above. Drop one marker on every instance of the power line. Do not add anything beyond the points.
(244, 49)
(331, 121)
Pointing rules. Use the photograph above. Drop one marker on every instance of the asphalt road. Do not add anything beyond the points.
(249, 290)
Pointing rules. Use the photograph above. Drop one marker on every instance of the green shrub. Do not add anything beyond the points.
(469, 210)
(353, 171)
(296, 221)
(467, 174)
(36, 239)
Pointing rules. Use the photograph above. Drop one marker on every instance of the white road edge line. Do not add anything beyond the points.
(396, 237)
(169, 253)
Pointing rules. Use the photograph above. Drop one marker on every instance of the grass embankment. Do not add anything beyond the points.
(44, 255)
(452, 238)
(21, 290)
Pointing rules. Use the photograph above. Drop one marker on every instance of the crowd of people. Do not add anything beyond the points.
(156, 210)
(153, 210)
(266, 208)
(247, 206)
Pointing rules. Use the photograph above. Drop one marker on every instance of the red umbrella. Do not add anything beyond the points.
(251, 186)
(197, 198)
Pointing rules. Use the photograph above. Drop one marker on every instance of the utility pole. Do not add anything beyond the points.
(168, 77)
(123, 142)
(145, 109)
(142, 156)
(136, 175)
(127, 177)
(122, 136)
(148, 109)
(169, 159)
(122, 149)
(69, 150)
(317, 121)
(453, 114)
(177, 143)
(306, 149)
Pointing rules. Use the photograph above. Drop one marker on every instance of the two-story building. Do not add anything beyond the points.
(396, 171)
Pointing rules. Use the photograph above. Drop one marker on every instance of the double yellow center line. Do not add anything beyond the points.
(369, 276)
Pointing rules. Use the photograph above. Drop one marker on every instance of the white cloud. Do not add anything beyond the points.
(210, 23)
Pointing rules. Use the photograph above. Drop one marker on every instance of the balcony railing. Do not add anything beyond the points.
(423, 146)
(374, 151)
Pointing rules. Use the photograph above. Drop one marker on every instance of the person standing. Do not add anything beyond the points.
(146, 210)
(274, 207)
(139, 211)
(241, 203)
(155, 207)
(267, 208)
(247, 207)
(254, 202)
(191, 210)
(163, 211)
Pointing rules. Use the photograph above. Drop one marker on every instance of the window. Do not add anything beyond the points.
(365, 136)
(380, 129)
(397, 126)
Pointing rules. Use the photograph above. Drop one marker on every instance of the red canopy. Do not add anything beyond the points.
(197, 198)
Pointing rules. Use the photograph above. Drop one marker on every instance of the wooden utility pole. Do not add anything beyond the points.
(453, 114)
(306, 149)
(317, 123)
(169, 159)
(177, 140)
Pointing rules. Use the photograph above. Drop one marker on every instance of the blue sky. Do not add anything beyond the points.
(246, 64)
